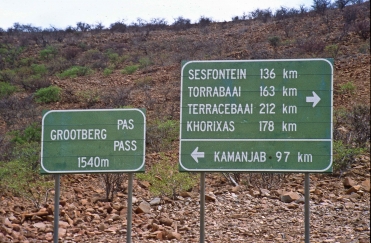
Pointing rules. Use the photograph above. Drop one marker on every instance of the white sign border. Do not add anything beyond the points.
(92, 171)
(254, 170)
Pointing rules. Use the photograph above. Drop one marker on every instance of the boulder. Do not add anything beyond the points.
(288, 197)
(348, 182)
(353, 189)
(144, 207)
(366, 185)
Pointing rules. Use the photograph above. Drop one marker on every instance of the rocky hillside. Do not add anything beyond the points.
(139, 66)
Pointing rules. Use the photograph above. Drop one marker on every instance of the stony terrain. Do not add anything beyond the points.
(261, 208)
(340, 212)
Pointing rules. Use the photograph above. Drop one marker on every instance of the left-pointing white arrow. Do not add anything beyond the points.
(195, 154)
(315, 99)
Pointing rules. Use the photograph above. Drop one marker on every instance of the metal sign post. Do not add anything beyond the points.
(202, 208)
(307, 208)
(56, 207)
(130, 208)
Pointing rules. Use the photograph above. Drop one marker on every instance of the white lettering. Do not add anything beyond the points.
(216, 74)
(210, 126)
(127, 145)
(218, 109)
(240, 156)
(74, 134)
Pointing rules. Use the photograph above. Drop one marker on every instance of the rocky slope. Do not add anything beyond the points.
(261, 208)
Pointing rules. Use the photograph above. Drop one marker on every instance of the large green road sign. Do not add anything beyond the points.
(93, 141)
(260, 115)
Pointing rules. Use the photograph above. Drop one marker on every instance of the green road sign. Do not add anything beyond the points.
(93, 141)
(260, 115)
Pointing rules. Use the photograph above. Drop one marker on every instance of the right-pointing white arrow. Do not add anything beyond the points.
(195, 154)
(315, 99)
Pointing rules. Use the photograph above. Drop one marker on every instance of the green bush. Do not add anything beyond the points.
(32, 133)
(24, 71)
(39, 69)
(89, 97)
(84, 46)
(6, 89)
(20, 174)
(348, 87)
(344, 156)
(75, 71)
(332, 50)
(48, 52)
(166, 180)
(29, 153)
(130, 69)
(26, 62)
(47, 95)
(22, 181)
(144, 62)
(161, 134)
(9, 55)
(8, 75)
(274, 41)
(112, 56)
(107, 71)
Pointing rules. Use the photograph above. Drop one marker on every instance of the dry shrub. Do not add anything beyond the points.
(362, 28)
(17, 111)
(353, 126)
(58, 65)
(34, 83)
(311, 45)
(112, 182)
(115, 98)
(71, 52)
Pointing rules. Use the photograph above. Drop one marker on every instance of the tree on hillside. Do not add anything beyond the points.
(320, 6)
(341, 3)
(80, 26)
(181, 23)
(118, 26)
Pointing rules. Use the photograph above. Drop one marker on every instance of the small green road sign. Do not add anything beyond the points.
(259, 115)
(93, 141)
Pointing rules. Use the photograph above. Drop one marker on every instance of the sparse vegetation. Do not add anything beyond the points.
(47, 95)
(20, 175)
(130, 69)
(88, 97)
(48, 52)
(332, 50)
(363, 29)
(161, 134)
(144, 81)
(107, 71)
(18, 179)
(344, 156)
(166, 180)
(74, 72)
(348, 87)
(351, 135)
(112, 182)
(6, 89)
(274, 41)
